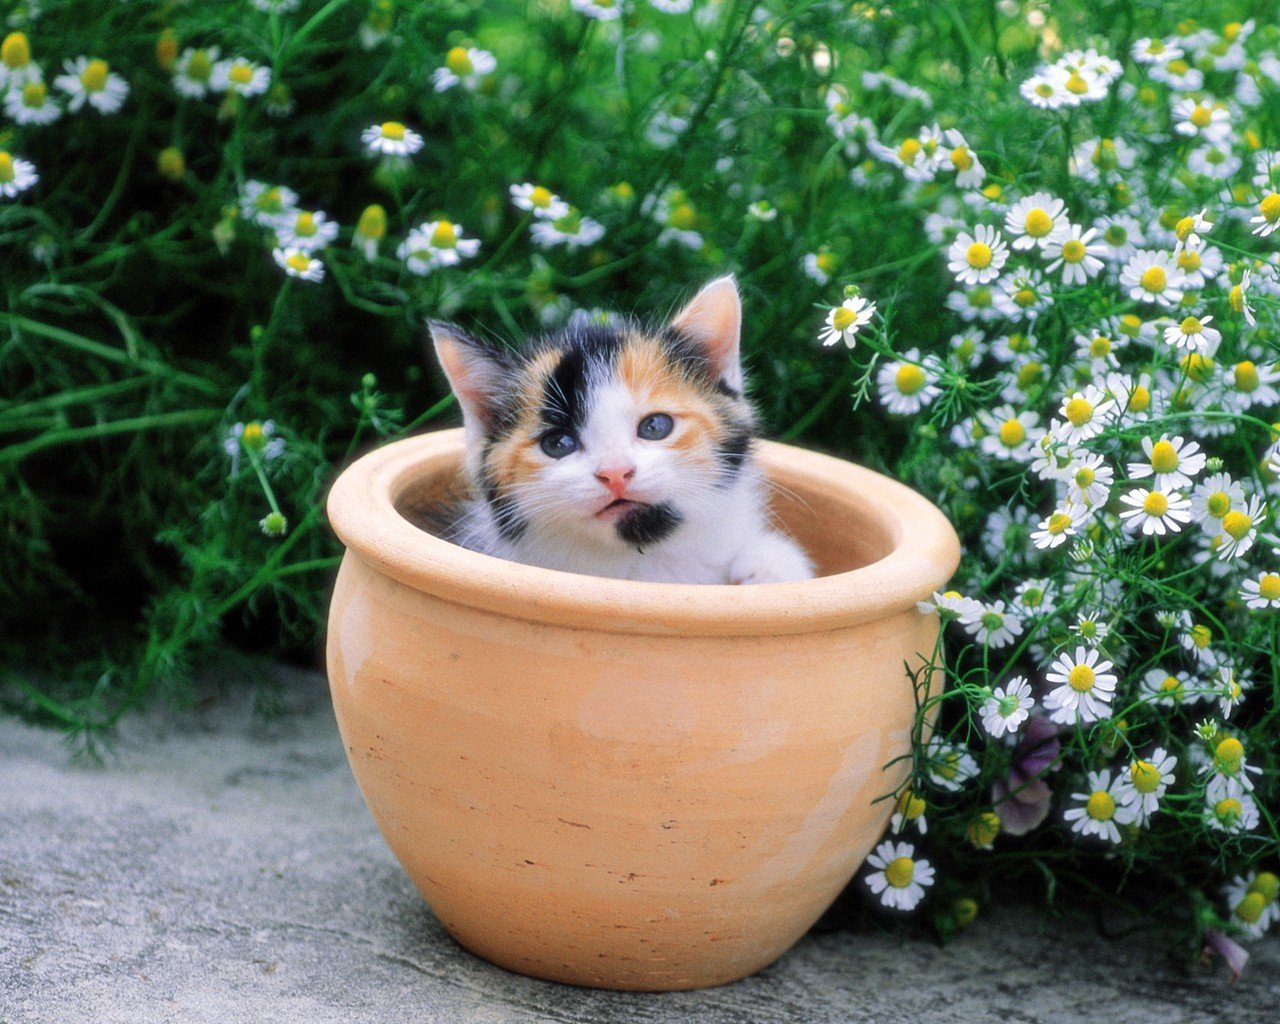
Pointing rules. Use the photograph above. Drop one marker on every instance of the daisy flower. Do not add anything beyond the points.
(1155, 511)
(1088, 479)
(1253, 904)
(969, 170)
(1171, 463)
(1090, 628)
(977, 258)
(1262, 591)
(1099, 350)
(950, 605)
(1033, 221)
(1085, 686)
(193, 71)
(1189, 229)
(1034, 597)
(672, 6)
(90, 80)
(1195, 638)
(1099, 810)
(370, 230)
(1063, 522)
(391, 138)
(306, 230)
(1047, 90)
(844, 321)
(821, 265)
(1010, 434)
(1095, 157)
(1069, 247)
(1087, 413)
(1152, 277)
(16, 66)
(31, 104)
(1193, 334)
(1250, 384)
(1149, 778)
(1229, 689)
(1268, 218)
(465, 67)
(991, 625)
(16, 175)
(899, 879)
(1166, 689)
(299, 263)
(1197, 263)
(438, 243)
(1007, 707)
(948, 765)
(1023, 294)
(1240, 528)
(1119, 236)
(1200, 120)
(1229, 807)
(1238, 298)
(1155, 51)
(265, 204)
(909, 810)
(539, 201)
(239, 76)
(572, 230)
(1213, 498)
(906, 385)
(600, 10)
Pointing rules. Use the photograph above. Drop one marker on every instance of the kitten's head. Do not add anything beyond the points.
(605, 436)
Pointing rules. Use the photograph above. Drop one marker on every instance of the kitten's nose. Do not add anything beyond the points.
(616, 479)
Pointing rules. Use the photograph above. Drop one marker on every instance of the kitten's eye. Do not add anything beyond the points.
(655, 427)
(558, 444)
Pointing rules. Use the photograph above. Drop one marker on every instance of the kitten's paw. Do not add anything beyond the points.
(771, 558)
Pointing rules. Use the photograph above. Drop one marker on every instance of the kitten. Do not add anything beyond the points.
(618, 451)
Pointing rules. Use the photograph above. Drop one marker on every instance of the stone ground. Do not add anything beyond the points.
(225, 870)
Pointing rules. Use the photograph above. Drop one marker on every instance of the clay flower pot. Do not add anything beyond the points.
(629, 785)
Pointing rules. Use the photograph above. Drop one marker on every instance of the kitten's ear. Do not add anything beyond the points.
(713, 319)
(475, 371)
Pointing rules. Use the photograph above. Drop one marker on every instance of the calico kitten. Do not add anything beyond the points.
(618, 451)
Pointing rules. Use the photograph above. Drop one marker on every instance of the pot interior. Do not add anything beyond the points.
(839, 528)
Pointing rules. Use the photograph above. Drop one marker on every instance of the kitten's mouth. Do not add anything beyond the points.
(618, 508)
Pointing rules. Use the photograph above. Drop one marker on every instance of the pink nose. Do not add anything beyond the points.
(616, 479)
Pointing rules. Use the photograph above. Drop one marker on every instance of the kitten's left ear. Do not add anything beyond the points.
(713, 319)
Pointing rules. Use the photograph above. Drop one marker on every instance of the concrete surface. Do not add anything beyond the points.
(218, 869)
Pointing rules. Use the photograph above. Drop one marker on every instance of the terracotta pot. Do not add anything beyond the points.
(630, 785)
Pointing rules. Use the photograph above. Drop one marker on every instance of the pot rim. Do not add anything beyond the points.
(925, 552)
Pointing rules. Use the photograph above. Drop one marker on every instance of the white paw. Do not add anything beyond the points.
(771, 558)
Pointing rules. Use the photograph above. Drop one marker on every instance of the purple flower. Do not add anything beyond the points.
(1022, 800)
(1231, 951)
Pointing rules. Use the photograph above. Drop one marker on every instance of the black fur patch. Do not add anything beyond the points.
(506, 514)
(564, 395)
(649, 525)
(733, 450)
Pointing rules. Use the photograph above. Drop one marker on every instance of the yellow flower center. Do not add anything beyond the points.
(961, 158)
(1044, 90)
(1229, 754)
(1101, 805)
(1190, 326)
(540, 197)
(826, 261)
(240, 73)
(1073, 250)
(1266, 885)
(1100, 347)
(1145, 776)
(7, 173)
(900, 872)
(1201, 636)
(1172, 686)
(682, 217)
(911, 806)
(1148, 96)
(1079, 411)
(393, 131)
(1218, 504)
(909, 379)
(253, 436)
(1270, 207)
(1140, 400)
(909, 150)
(978, 255)
(1024, 297)
(94, 75)
(1201, 116)
(305, 225)
(983, 829)
(1154, 280)
(1228, 810)
(372, 222)
(1104, 155)
(1269, 587)
(1058, 523)
(1189, 259)
(980, 298)
(1012, 433)
(199, 66)
(965, 910)
(459, 61)
(299, 262)
(1246, 376)
(171, 163)
(1028, 374)
(1081, 678)
(445, 236)
(1076, 84)
(1155, 504)
(1251, 907)
(1237, 524)
(1038, 222)
(1235, 299)
(15, 51)
(34, 94)
(1197, 366)
(843, 318)
(1178, 67)
(1164, 457)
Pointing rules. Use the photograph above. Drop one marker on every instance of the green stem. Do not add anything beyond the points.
(186, 417)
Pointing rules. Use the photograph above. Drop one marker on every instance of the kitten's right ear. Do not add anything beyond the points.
(475, 371)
